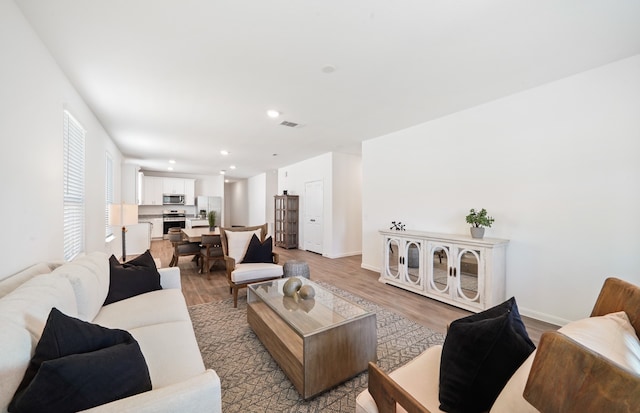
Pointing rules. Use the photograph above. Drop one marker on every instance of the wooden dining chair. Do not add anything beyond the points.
(182, 248)
(210, 252)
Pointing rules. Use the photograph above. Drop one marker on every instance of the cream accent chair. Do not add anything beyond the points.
(589, 365)
(235, 241)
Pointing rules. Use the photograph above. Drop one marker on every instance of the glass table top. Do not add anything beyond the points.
(306, 316)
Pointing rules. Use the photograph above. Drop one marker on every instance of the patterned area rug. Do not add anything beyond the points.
(253, 382)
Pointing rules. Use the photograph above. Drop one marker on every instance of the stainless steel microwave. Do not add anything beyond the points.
(173, 199)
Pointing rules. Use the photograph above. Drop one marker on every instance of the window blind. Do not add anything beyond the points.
(108, 195)
(73, 186)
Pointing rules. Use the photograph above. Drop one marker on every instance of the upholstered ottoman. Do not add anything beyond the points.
(296, 268)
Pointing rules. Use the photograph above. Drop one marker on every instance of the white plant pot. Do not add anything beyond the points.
(477, 232)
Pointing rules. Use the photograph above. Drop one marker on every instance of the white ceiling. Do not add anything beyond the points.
(183, 79)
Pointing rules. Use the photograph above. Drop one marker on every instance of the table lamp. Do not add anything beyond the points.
(123, 215)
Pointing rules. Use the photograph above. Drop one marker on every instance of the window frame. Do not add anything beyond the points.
(74, 170)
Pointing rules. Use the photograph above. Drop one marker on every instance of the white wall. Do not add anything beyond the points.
(558, 168)
(34, 93)
(256, 194)
(347, 205)
(270, 192)
(236, 203)
(292, 178)
(341, 177)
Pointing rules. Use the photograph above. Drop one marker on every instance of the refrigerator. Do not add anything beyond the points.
(210, 203)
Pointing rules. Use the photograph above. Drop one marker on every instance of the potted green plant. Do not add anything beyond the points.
(478, 221)
(211, 216)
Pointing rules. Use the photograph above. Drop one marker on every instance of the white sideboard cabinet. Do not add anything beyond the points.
(456, 269)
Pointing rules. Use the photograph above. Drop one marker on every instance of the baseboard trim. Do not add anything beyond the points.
(344, 254)
(547, 318)
(370, 268)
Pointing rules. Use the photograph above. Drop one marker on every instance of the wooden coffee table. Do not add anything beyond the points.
(317, 342)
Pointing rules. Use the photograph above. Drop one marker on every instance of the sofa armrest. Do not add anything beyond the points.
(170, 277)
(386, 393)
(198, 394)
(583, 381)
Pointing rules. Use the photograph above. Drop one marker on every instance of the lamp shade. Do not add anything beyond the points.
(123, 214)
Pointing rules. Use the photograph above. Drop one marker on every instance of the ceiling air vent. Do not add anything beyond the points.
(289, 124)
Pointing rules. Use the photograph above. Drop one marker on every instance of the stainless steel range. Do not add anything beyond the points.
(173, 218)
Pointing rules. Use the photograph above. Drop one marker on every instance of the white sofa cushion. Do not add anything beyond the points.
(255, 271)
(11, 283)
(611, 335)
(89, 276)
(23, 315)
(510, 398)
(171, 351)
(154, 307)
(200, 394)
(237, 243)
(15, 354)
(420, 377)
(28, 306)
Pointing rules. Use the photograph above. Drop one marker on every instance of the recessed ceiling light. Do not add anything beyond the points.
(170, 168)
(273, 113)
(226, 181)
(172, 161)
(224, 152)
(222, 172)
(232, 167)
(328, 69)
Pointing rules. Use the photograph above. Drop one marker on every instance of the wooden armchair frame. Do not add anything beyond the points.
(230, 263)
(592, 383)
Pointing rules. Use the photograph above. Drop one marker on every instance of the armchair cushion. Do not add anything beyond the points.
(78, 365)
(259, 251)
(479, 355)
(255, 271)
(135, 277)
(238, 241)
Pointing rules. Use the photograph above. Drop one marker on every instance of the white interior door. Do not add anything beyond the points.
(313, 198)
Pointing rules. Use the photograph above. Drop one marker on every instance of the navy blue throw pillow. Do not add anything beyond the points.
(480, 353)
(132, 278)
(259, 252)
(79, 365)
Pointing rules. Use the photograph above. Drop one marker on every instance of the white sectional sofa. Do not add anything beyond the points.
(158, 320)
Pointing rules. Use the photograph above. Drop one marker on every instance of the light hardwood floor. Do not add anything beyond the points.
(344, 273)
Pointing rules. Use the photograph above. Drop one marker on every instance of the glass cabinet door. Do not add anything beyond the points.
(392, 261)
(468, 265)
(439, 274)
(413, 263)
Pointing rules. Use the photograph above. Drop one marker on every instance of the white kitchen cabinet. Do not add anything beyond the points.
(189, 191)
(173, 186)
(456, 269)
(156, 228)
(197, 223)
(151, 190)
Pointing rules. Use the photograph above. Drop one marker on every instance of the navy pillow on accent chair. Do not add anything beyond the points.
(79, 365)
(132, 278)
(480, 353)
(259, 252)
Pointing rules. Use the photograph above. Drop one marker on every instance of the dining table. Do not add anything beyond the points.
(195, 234)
